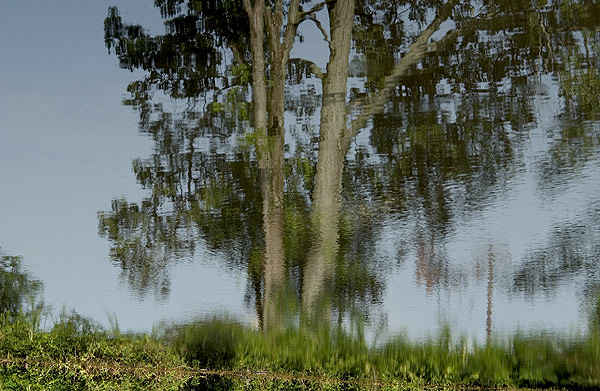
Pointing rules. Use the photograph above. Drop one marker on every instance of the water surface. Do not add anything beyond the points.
(430, 165)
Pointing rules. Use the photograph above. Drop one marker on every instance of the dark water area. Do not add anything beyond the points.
(388, 167)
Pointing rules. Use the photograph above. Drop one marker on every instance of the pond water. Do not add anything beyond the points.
(403, 168)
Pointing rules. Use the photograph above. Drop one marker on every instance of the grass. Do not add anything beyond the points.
(220, 354)
(538, 361)
(69, 358)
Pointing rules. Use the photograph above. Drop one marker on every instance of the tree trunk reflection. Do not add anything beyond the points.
(334, 141)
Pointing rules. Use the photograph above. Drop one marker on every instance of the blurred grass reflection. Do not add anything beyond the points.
(539, 360)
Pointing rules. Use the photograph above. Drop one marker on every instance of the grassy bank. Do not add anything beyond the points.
(71, 358)
(224, 355)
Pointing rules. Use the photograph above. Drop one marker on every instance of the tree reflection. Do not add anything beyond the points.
(572, 254)
(17, 287)
(446, 108)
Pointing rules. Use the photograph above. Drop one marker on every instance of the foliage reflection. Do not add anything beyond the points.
(446, 97)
